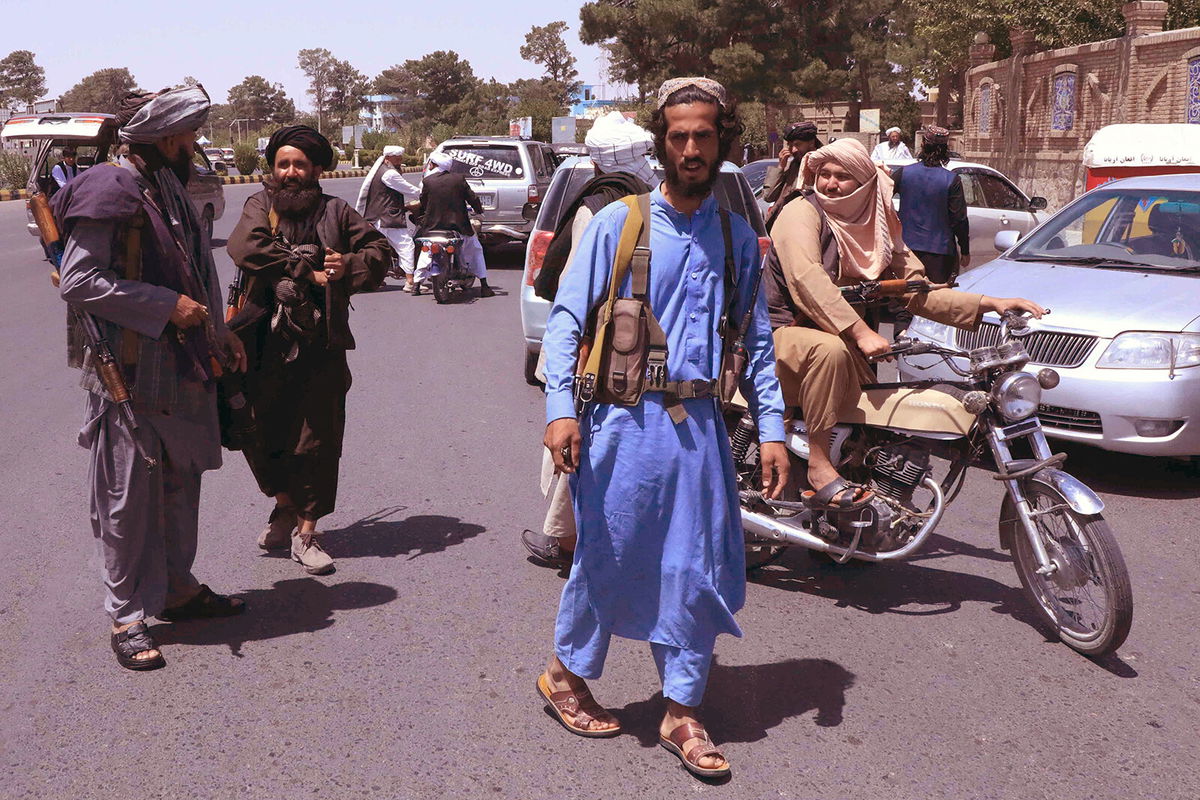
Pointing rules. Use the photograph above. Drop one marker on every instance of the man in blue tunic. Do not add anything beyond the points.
(660, 555)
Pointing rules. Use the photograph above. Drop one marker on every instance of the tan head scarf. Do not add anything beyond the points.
(864, 223)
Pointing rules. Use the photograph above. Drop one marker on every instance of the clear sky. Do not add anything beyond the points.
(221, 43)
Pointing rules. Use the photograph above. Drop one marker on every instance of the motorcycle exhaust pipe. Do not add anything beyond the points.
(796, 530)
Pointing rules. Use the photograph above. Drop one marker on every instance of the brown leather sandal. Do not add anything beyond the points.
(581, 706)
(691, 761)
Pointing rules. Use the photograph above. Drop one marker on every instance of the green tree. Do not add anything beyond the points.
(348, 92)
(100, 92)
(442, 80)
(318, 66)
(545, 45)
(22, 81)
(257, 99)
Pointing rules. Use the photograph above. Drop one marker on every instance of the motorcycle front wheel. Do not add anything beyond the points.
(1087, 599)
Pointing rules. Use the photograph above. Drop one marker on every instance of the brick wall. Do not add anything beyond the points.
(1139, 77)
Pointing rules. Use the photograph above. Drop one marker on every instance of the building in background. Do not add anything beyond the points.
(1031, 115)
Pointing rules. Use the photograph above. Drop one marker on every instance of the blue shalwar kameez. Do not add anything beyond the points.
(660, 555)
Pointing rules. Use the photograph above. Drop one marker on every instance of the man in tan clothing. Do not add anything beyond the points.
(843, 233)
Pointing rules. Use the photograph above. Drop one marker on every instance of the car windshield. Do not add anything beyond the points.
(756, 173)
(1115, 229)
(486, 161)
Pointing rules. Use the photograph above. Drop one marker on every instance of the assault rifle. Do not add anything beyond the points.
(106, 364)
(871, 291)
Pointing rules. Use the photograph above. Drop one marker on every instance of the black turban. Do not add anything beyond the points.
(302, 137)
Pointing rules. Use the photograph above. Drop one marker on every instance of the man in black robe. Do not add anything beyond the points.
(304, 253)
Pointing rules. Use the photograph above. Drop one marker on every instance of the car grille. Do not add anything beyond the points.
(1044, 347)
(1070, 419)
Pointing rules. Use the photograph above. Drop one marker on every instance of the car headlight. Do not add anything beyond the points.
(1151, 350)
(930, 331)
(1017, 396)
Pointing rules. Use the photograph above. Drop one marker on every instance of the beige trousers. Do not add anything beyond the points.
(819, 373)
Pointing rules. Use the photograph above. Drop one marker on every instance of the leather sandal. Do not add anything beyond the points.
(205, 604)
(580, 705)
(853, 495)
(686, 731)
(131, 641)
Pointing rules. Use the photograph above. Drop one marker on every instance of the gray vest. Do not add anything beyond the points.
(384, 205)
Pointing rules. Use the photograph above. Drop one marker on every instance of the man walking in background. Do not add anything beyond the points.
(382, 199)
(781, 181)
(618, 148)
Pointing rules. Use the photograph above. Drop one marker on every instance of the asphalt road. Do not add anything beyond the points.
(409, 672)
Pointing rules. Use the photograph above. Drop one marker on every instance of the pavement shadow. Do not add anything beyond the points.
(296, 605)
(1130, 475)
(377, 536)
(743, 703)
(903, 588)
(938, 546)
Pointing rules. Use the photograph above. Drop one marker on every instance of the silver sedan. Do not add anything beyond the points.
(1120, 269)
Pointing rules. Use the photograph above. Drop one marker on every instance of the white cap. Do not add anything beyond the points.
(618, 144)
(892, 130)
(392, 150)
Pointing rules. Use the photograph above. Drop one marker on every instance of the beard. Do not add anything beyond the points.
(153, 160)
(293, 197)
(698, 189)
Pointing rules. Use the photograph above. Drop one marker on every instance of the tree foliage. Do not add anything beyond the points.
(545, 45)
(257, 99)
(318, 65)
(348, 92)
(22, 81)
(100, 92)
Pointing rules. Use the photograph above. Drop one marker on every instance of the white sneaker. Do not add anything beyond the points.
(310, 555)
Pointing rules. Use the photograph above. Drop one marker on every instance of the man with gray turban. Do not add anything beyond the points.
(382, 199)
(138, 260)
(618, 148)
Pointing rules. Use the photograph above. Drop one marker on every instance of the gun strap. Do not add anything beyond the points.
(133, 272)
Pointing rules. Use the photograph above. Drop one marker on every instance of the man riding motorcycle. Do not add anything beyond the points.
(844, 232)
(445, 196)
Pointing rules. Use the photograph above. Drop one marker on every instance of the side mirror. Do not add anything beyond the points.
(1037, 203)
(1006, 240)
(530, 211)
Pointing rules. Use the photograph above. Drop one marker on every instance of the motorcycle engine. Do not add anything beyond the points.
(898, 469)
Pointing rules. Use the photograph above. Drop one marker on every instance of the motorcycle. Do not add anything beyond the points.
(447, 275)
(1065, 554)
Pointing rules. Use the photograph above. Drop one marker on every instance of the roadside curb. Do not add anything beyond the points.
(21, 194)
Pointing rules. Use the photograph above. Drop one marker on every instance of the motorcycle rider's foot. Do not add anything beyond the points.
(485, 290)
(559, 679)
(819, 478)
(308, 553)
(416, 289)
(678, 715)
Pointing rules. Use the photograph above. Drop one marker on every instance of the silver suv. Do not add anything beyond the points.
(94, 137)
(507, 173)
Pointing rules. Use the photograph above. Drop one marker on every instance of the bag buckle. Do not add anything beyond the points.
(656, 369)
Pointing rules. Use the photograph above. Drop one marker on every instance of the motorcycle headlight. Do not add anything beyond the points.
(1151, 350)
(930, 331)
(1017, 396)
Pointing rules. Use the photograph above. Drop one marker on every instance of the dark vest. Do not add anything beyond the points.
(779, 300)
(924, 214)
(384, 204)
